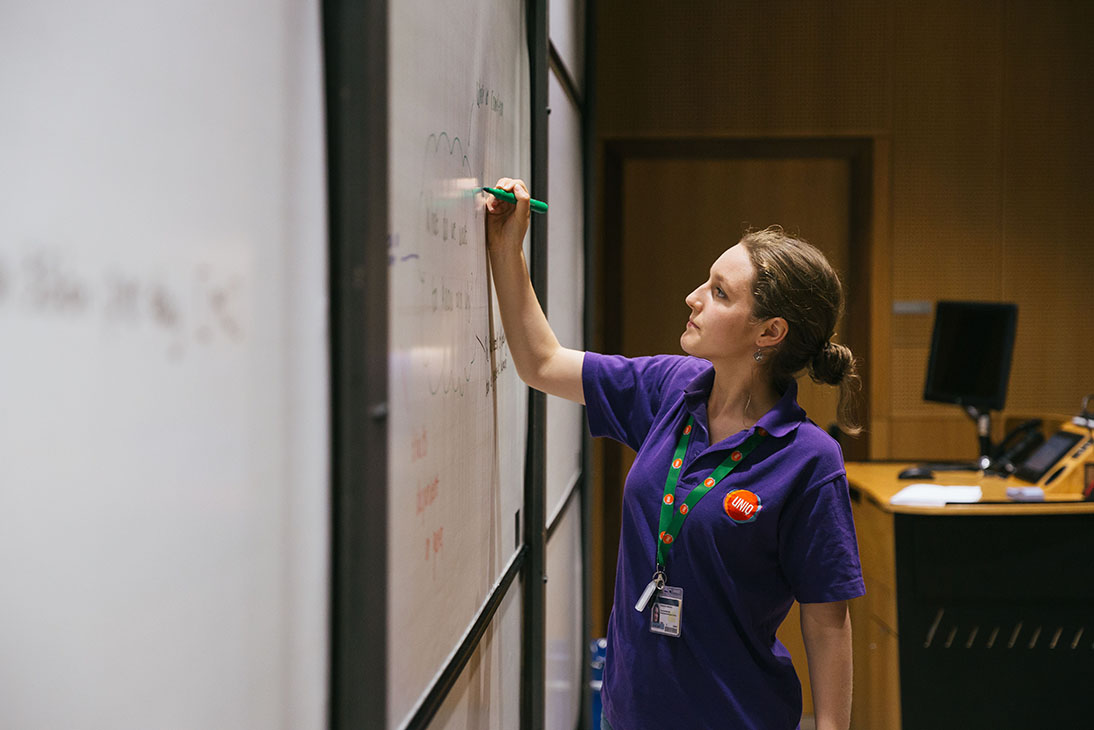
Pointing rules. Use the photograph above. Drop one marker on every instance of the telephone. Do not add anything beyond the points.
(1055, 462)
(1017, 446)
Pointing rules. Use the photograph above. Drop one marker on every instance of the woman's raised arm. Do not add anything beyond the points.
(540, 360)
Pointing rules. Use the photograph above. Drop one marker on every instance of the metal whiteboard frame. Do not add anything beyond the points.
(357, 164)
(590, 181)
(534, 600)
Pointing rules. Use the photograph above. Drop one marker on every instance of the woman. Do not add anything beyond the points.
(736, 504)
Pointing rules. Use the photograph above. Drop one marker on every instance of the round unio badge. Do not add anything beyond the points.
(742, 505)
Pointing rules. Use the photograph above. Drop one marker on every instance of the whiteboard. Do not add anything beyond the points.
(487, 694)
(164, 377)
(565, 283)
(459, 119)
(567, 23)
(565, 631)
(565, 420)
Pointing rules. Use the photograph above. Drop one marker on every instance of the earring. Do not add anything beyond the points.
(758, 356)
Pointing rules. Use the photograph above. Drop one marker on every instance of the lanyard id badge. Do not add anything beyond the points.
(668, 611)
(668, 601)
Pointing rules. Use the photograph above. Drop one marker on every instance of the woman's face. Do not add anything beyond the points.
(721, 326)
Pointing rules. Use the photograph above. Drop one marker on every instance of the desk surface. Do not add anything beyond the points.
(878, 481)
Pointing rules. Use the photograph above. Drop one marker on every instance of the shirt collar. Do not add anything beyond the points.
(784, 418)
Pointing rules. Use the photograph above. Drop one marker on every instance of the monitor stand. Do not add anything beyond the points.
(983, 433)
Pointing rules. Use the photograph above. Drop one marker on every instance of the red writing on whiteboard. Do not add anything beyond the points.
(428, 494)
(419, 446)
(434, 543)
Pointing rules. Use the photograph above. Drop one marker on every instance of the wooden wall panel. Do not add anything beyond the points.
(878, 354)
(946, 197)
(1047, 256)
(946, 150)
(743, 67)
(984, 108)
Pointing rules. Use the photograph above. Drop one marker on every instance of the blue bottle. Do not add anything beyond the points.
(597, 650)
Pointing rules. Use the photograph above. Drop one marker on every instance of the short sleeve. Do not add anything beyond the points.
(623, 395)
(818, 549)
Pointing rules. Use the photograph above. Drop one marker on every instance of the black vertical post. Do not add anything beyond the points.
(589, 181)
(533, 685)
(355, 49)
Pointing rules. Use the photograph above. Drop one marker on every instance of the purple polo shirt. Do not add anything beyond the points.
(726, 670)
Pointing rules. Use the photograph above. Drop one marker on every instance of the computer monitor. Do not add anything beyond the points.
(971, 352)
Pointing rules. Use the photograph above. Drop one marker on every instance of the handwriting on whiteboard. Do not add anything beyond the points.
(497, 354)
(394, 254)
(434, 544)
(185, 307)
(419, 445)
(427, 494)
(486, 97)
(450, 293)
(448, 185)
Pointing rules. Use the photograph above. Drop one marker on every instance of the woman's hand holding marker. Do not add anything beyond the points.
(506, 223)
(538, 206)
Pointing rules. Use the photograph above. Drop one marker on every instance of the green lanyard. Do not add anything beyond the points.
(672, 519)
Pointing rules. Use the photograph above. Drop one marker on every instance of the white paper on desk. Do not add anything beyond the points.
(935, 495)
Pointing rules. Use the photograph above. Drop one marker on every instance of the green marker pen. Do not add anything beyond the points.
(538, 206)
